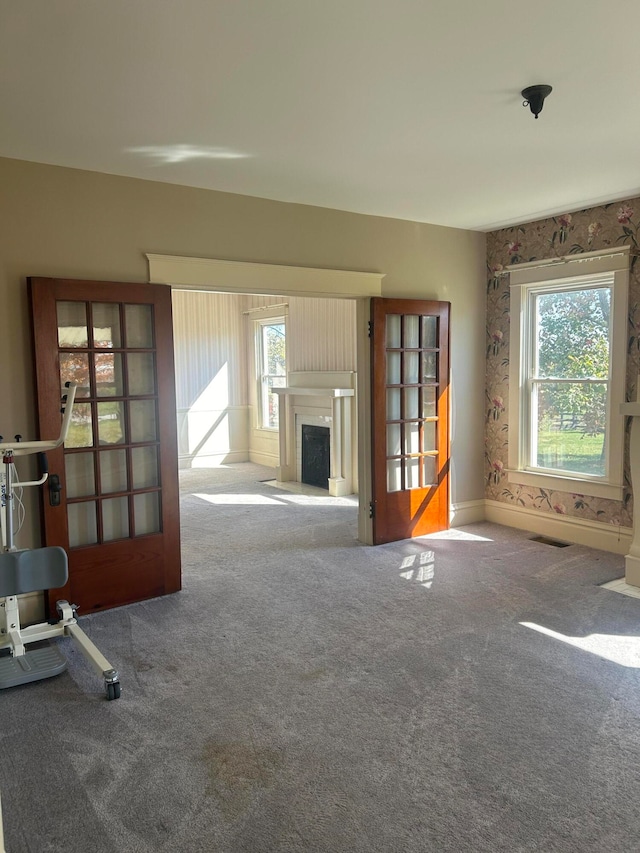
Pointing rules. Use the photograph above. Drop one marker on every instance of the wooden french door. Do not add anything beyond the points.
(117, 512)
(410, 418)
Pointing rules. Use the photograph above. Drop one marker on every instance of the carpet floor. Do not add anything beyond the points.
(470, 691)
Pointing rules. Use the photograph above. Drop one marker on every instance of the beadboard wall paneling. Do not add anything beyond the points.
(214, 350)
(211, 386)
(209, 350)
(321, 333)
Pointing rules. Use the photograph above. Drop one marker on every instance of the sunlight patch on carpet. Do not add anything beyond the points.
(458, 535)
(238, 500)
(618, 648)
(316, 500)
(419, 568)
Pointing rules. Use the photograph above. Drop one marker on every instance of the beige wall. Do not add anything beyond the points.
(64, 222)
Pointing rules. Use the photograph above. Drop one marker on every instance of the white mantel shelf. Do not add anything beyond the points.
(316, 392)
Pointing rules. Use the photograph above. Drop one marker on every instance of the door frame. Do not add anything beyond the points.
(220, 276)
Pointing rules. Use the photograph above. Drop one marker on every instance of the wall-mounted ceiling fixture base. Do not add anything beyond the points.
(534, 97)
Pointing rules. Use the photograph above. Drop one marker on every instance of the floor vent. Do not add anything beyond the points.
(545, 540)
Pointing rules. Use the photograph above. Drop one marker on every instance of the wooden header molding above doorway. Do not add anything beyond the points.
(242, 277)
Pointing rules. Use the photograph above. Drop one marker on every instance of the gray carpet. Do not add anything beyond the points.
(306, 693)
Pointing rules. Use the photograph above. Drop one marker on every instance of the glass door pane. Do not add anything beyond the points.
(83, 527)
(108, 372)
(115, 519)
(411, 362)
(79, 475)
(106, 325)
(413, 473)
(141, 373)
(119, 362)
(72, 324)
(393, 368)
(113, 471)
(430, 332)
(146, 508)
(143, 421)
(74, 367)
(411, 373)
(411, 336)
(393, 404)
(393, 331)
(111, 429)
(139, 326)
(80, 426)
(394, 475)
(393, 440)
(144, 467)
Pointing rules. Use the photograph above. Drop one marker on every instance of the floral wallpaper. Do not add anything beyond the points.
(602, 227)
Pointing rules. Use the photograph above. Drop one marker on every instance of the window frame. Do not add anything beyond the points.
(573, 273)
(261, 377)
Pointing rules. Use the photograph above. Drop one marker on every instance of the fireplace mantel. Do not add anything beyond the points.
(340, 437)
(315, 392)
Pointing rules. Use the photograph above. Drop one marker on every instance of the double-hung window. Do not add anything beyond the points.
(271, 368)
(567, 374)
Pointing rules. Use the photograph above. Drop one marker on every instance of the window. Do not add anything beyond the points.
(270, 368)
(567, 374)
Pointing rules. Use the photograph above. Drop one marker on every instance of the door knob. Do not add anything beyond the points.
(55, 488)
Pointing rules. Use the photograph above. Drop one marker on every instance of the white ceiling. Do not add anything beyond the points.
(402, 108)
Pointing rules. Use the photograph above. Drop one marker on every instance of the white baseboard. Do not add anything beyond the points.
(212, 460)
(581, 531)
(466, 512)
(272, 460)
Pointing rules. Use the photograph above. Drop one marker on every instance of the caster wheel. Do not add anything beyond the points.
(113, 690)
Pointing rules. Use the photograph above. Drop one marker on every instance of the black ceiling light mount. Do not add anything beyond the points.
(534, 97)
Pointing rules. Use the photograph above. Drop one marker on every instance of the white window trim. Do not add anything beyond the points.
(570, 272)
(267, 318)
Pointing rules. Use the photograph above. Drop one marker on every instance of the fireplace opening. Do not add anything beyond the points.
(315, 456)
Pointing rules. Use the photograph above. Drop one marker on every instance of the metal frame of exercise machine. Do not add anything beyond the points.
(34, 570)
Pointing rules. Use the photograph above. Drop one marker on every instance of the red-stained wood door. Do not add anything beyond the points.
(410, 418)
(118, 511)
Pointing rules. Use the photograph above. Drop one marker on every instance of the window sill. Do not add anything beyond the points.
(574, 485)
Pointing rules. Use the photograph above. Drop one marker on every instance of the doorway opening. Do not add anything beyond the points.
(239, 277)
(252, 373)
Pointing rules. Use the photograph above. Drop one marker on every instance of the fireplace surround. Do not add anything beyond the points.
(318, 398)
